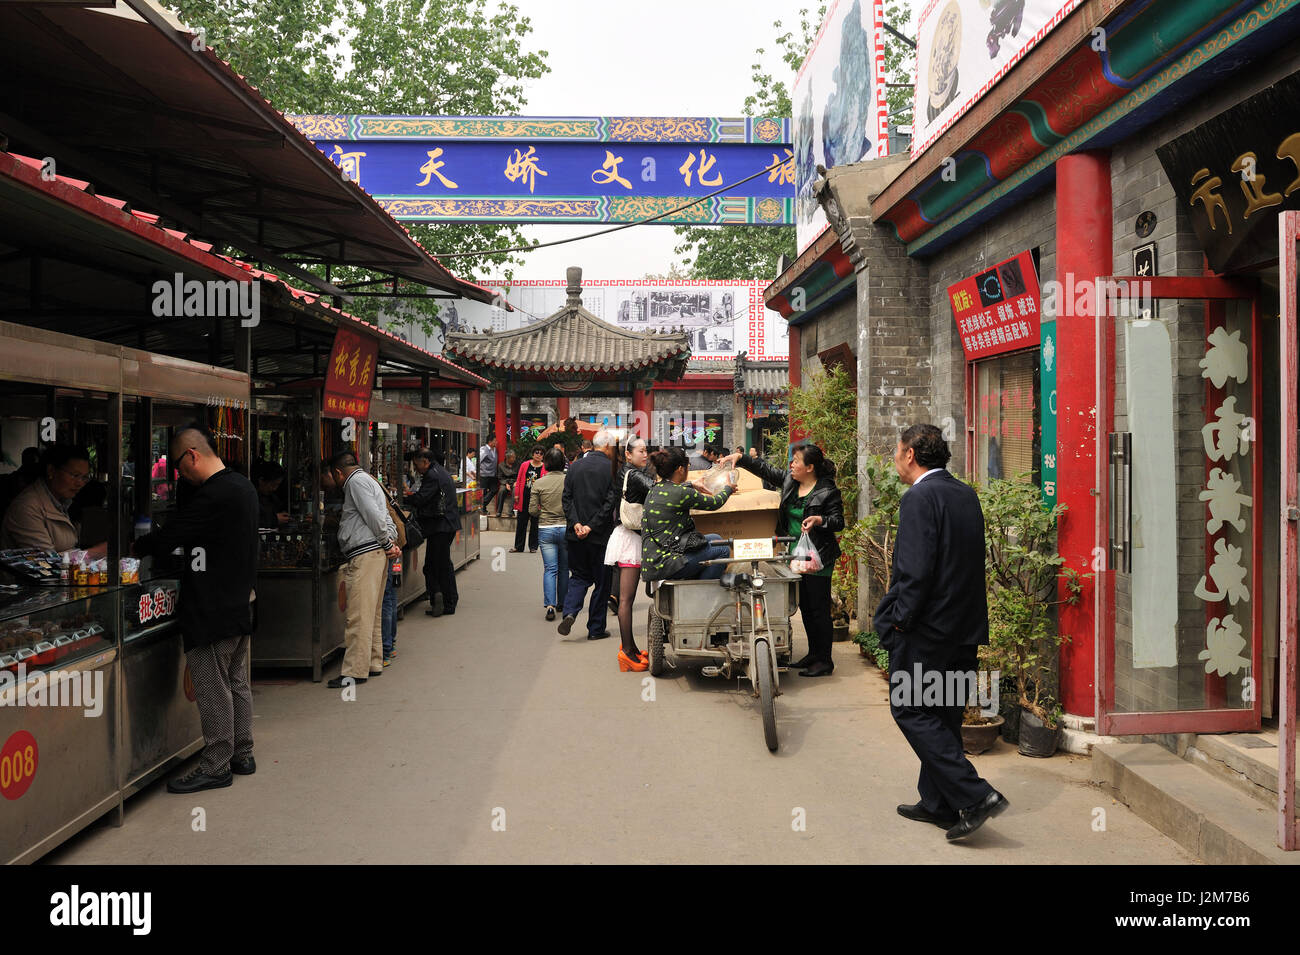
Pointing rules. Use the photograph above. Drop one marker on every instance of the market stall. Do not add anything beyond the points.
(89, 633)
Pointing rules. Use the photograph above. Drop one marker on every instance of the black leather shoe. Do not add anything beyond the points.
(243, 767)
(550, 613)
(198, 781)
(974, 817)
(376, 672)
(566, 625)
(820, 668)
(917, 814)
(338, 684)
(806, 661)
(598, 636)
(433, 613)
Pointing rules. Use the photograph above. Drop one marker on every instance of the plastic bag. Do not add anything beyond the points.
(716, 478)
(807, 560)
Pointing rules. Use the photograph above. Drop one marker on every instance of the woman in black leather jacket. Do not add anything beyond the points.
(810, 502)
(627, 493)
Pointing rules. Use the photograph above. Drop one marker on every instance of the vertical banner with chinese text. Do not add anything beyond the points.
(351, 376)
(1047, 411)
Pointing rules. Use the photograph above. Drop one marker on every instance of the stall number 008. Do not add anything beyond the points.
(17, 767)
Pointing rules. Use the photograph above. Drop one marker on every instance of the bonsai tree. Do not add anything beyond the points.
(1023, 569)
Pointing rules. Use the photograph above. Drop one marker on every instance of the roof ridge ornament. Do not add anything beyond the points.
(574, 275)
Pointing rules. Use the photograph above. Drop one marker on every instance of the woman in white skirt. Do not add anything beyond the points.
(624, 549)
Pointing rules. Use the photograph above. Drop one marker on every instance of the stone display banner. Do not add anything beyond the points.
(565, 169)
(997, 310)
(841, 116)
(964, 47)
(723, 318)
(1047, 411)
(1237, 171)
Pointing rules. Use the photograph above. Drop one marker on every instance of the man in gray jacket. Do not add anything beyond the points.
(368, 541)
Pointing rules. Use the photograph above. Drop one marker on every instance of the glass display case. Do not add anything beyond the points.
(43, 627)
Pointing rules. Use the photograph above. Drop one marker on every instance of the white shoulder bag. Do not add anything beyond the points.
(629, 514)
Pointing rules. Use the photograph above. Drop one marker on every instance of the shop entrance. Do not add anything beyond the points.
(1180, 594)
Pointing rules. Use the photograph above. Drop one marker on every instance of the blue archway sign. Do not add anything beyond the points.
(564, 168)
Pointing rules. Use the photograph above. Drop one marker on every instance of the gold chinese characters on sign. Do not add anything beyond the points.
(524, 166)
(1253, 185)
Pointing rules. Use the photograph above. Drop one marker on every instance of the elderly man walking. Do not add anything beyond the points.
(933, 619)
(588, 511)
(217, 529)
(368, 541)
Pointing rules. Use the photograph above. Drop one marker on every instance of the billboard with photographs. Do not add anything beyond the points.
(963, 47)
(840, 113)
(722, 318)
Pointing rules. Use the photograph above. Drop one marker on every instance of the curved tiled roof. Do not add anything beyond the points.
(572, 340)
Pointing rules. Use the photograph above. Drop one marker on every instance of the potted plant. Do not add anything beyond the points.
(1023, 571)
(979, 732)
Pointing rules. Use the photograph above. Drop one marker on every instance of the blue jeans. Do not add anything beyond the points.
(555, 558)
(390, 614)
(693, 570)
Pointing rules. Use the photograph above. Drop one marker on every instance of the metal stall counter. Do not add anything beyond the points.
(94, 695)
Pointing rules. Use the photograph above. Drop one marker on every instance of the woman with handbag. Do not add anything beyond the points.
(623, 551)
(810, 504)
(546, 509)
(671, 547)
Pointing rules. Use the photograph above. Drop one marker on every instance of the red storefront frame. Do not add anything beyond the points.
(1211, 290)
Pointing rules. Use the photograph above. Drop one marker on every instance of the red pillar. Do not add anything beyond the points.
(499, 406)
(562, 410)
(1084, 251)
(796, 378)
(473, 404)
(643, 403)
(515, 428)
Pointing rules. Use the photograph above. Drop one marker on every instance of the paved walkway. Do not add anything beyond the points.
(491, 716)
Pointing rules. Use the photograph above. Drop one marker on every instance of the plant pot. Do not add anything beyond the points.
(1036, 739)
(840, 630)
(980, 737)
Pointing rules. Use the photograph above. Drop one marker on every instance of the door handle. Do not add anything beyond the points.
(1120, 445)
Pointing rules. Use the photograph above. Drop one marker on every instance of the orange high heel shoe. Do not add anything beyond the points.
(635, 666)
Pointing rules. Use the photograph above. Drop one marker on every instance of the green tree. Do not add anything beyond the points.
(453, 57)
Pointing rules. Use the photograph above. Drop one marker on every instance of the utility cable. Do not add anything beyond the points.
(617, 228)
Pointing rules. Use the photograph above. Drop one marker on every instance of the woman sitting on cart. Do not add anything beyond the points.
(671, 547)
(810, 503)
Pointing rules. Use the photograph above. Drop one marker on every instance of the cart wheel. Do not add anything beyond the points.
(762, 658)
(655, 641)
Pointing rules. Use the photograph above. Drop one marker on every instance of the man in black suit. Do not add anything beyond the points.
(933, 619)
(437, 510)
(588, 511)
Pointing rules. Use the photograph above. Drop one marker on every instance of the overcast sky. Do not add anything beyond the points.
(660, 58)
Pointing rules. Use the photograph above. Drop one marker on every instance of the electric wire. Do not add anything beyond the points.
(617, 228)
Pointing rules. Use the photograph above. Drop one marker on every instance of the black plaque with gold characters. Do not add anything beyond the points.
(1237, 171)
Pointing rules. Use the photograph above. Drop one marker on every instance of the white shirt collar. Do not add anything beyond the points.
(925, 475)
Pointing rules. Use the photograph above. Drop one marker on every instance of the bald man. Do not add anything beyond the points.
(217, 529)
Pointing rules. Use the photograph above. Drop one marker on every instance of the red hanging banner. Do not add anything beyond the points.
(997, 310)
(351, 376)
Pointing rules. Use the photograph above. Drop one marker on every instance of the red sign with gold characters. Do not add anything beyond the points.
(997, 310)
(351, 375)
(18, 761)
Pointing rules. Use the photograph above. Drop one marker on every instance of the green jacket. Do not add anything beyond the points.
(666, 521)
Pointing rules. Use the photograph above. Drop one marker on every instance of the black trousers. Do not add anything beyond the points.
(526, 523)
(815, 607)
(587, 570)
(490, 486)
(439, 574)
(948, 781)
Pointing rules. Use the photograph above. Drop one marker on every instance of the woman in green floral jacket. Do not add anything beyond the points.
(671, 548)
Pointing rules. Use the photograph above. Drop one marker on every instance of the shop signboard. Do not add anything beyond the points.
(840, 113)
(1047, 412)
(996, 310)
(964, 47)
(351, 375)
(1236, 172)
(566, 168)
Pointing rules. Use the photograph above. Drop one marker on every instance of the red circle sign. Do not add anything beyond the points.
(18, 762)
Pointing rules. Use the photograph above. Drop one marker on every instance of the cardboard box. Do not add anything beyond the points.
(745, 480)
(747, 514)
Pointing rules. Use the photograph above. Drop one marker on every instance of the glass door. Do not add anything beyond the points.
(1179, 514)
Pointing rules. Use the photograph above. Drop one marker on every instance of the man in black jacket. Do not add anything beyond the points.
(217, 528)
(932, 620)
(438, 513)
(588, 512)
